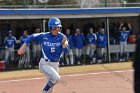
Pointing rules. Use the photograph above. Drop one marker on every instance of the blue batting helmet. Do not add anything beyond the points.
(54, 22)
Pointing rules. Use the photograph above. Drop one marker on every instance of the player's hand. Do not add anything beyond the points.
(22, 49)
(64, 42)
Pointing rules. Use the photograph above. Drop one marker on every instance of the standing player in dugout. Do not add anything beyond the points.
(53, 43)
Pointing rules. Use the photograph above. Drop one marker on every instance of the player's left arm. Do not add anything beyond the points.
(65, 44)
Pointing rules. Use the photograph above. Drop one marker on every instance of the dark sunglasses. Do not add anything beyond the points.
(55, 27)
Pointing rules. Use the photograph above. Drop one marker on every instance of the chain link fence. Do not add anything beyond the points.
(86, 5)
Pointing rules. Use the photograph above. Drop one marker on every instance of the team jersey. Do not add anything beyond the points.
(91, 38)
(70, 41)
(9, 41)
(101, 40)
(51, 45)
(35, 42)
(124, 35)
(22, 39)
(78, 41)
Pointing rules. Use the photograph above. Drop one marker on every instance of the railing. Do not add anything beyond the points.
(73, 5)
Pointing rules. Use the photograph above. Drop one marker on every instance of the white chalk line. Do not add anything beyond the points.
(72, 75)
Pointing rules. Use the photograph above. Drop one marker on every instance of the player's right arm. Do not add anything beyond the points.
(27, 41)
(22, 49)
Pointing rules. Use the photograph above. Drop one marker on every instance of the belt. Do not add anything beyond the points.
(57, 60)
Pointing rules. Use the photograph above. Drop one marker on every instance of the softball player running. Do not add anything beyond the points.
(53, 44)
(9, 43)
(91, 45)
(24, 59)
(79, 41)
(123, 40)
(69, 57)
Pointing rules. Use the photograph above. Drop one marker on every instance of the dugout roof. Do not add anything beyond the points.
(68, 13)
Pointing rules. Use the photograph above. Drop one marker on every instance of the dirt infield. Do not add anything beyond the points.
(93, 82)
(68, 70)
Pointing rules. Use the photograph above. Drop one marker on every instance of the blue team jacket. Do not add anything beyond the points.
(70, 41)
(91, 38)
(101, 40)
(9, 41)
(124, 35)
(22, 39)
(79, 41)
(51, 45)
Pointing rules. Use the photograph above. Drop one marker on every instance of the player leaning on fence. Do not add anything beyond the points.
(24, 59)
(69, 56)
(79, 41)
(53, 44)
(36, 50)
(91, 45)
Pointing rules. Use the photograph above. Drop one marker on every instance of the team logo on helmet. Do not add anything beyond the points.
(57, 22)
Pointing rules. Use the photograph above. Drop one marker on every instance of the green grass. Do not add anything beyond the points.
(68, 70)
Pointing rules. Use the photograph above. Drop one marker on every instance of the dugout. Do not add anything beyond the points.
(19, 19)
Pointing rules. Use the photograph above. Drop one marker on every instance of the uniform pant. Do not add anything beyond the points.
(90, 50)
(24, 60)
(78, 53)
(36, 54)
(51, 71)
(100, 54)
(69, 57)
(122, 49)
(9, 57)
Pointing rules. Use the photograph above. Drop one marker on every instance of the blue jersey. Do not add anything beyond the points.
(124, 35)
(70, 41)
(22, 39)
(78, 41)
(9, 41)
(91, 38)
(51, 45)
(101, 40)
(35, 42)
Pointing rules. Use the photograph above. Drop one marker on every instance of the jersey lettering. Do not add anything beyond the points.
(52, 49)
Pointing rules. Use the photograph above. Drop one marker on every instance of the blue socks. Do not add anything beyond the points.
(48, 86)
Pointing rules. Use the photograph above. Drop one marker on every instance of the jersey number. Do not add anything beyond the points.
(52, 49)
